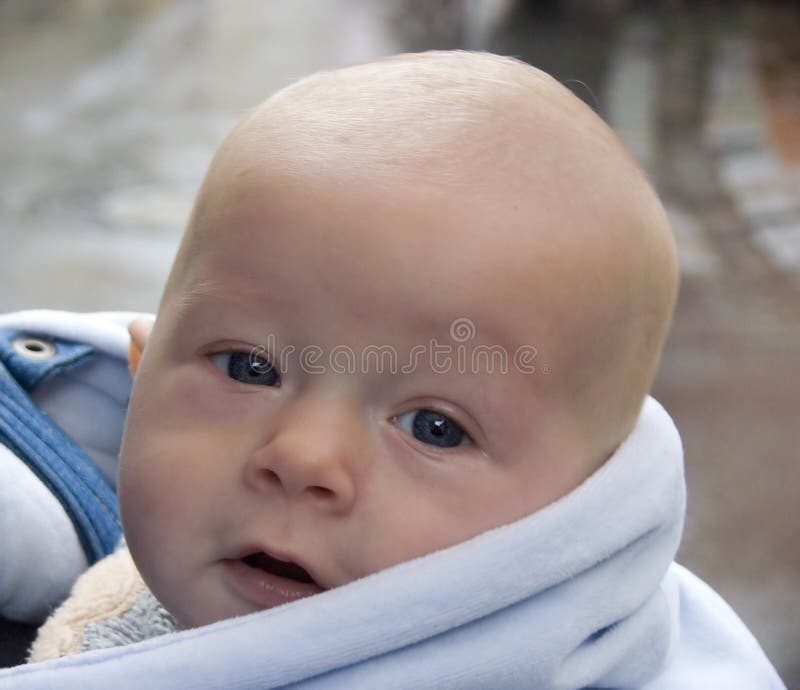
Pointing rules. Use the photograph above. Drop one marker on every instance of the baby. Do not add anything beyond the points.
(417, 299)
(375, 206)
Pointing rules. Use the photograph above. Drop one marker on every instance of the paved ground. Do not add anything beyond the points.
(111, 112)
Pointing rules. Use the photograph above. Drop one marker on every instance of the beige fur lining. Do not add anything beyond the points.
(108, 589)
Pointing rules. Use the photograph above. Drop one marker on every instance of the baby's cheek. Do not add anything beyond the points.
(157, 469)
(165, 429)
(142, 490)
(155, 491)
(200, 396)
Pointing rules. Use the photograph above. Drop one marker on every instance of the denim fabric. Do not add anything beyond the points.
(28, 372)
(55, 459)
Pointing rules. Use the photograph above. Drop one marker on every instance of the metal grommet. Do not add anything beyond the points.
(34, 348)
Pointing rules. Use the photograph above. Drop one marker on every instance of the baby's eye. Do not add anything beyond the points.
(248, 368)
(433, 428)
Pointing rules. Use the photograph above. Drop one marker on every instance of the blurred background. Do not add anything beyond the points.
(111, 110)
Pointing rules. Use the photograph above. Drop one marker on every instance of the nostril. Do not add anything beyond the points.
(321, 491)
(271, 477)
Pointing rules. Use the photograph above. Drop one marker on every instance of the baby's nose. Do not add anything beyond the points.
(309, 454)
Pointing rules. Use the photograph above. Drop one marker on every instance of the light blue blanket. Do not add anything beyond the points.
(582, 594)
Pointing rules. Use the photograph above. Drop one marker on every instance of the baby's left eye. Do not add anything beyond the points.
(433, 428)
(248, 368)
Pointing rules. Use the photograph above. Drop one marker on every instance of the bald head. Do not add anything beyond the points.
(447, 115)
(574, 237)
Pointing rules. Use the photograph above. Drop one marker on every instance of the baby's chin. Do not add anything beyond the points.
(195, 614)
(192, 604)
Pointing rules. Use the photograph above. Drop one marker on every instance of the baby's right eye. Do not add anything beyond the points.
(247, 367)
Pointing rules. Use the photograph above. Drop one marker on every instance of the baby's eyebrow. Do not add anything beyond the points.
(227, 294)
(188, 298)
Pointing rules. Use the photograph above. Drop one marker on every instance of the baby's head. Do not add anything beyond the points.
(417, 299)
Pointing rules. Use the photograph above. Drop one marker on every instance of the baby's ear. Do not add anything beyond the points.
(139, 329)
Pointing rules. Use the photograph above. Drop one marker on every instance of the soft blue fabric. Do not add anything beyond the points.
(83, 390)
(582, 594)
(65, 469)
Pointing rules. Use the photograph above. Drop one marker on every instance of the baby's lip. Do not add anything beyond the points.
(282, 564)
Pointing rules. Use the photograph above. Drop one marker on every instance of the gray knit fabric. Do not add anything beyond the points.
(145, 619)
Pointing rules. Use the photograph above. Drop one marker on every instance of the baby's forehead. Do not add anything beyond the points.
(488, 165)
(389, 264)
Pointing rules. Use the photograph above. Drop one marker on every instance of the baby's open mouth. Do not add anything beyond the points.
(274, 566)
